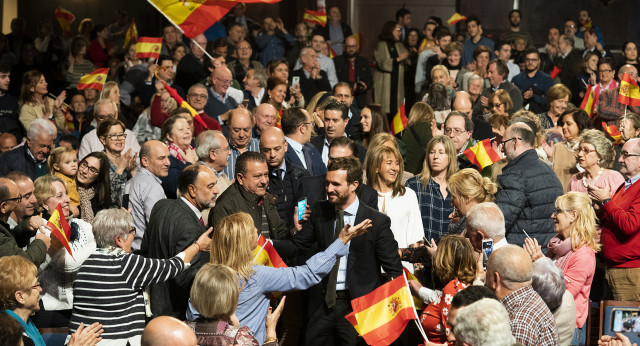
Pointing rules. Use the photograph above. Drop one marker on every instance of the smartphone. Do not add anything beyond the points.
(295, 80)
(487, 249)
(125, 201)
(245, 103)
(302, 207)
(625, 320)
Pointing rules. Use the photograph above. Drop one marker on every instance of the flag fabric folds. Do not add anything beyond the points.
(456, 17)
(265, 254)
(629, 91)
(184, 104)
(65, 18)
(399, 122)
(417, 302)
(132, 34)
(382, 315)
(315, 17)
(482, 154)
(148, 47)
(588, 100)
(612, 130)
(93, 80)
(195, 17)
(60, 227)
(555, 72)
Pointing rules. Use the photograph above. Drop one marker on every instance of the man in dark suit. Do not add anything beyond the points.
(569, 61)
(463, 102)
(354, 69)
(354, 275)
(497, 76)
(312, 78)
(342, 91)
(297, 127)
(175, 224)
(220, 101)
(190, 69)
(336, 118)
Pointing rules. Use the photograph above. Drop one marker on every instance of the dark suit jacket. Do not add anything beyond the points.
(318, 142)
(309, 87)
(170, 182)
(362, 72)
(215, 107)
(324, 30)
(367, 253)
(481, 129)
(173, 227)
(19, 160)
(314, 190)
(189, 72)
(354, 127)
(318, 167)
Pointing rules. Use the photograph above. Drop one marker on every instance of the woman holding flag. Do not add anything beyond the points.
(63, 261)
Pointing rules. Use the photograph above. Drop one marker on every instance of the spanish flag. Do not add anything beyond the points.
(265, 254)
(332, 53)
(60, 227)
(612, 130)
(381, 316)
(132, 34)
(482, 154)
(184, 104)
(399, 122)
(417, 302)
(629, 91)
(194, 17)
(93, 80)
(316, 17)
(456, 17)
(65, 18)
(148, 47)
(588, 101)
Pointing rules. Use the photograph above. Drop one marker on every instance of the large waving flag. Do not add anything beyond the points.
(315, 17)
(629, 91)
(588, 100)
(456, 17)
(132, 34)
(184, 104)
(482, 154)
(93, 80)
(612, 130)
(60, 227)
(399, 122)
(148, 47)
(265, 254)
(381, 316)
(194, 17)
(65, 18)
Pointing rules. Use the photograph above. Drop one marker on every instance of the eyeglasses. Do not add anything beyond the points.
(17, 199)
(570, 26)
(457, 132)
(132, 231)
(560, 211)
(625, 154)
(509, 140)
(35, 286)
(117, 136)
(605, 71)
(585, 151)
(84, 165)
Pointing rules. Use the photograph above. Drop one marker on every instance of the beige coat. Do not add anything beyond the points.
(30, 112)
(382, 76)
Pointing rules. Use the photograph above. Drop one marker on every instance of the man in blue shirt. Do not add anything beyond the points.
(474, 28)
(533, 83)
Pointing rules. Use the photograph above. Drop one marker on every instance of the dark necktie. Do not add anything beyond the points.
(330, 296)
(306, 151)
(201, 221)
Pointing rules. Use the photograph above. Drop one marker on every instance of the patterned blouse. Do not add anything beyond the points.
(434, 317)
(221, 333)
(435, 209)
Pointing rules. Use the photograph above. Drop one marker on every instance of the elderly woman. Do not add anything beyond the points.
(391, 58)
(573, 250)
(440, 74)
(454, 64)
(111, 133)
(558, 97)
(59, 270)
(232, 244)
(214, 294)
(474, 86)
(276, 95)
(595, 154)
(563, 154)
(500, 102)
(35, 103)
(113, 274)
(468, 188)
(418, 135)
(177, 135)
(431, 189)
(373, 121)
(94, 185)
(481, 56)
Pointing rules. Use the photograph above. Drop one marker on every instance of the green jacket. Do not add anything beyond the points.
(36, 251)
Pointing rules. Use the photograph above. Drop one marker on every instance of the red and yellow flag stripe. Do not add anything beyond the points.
(399, 122)
(629, 91)
(94, 80)
(148, 47)
(60, 227)
(315, 17)
(588, 100)
(482, 154)
(65, 18)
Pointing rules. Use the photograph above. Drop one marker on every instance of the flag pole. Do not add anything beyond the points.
(179, 28)
(424, 335)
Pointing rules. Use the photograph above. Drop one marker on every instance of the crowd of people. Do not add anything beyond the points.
(166, 208)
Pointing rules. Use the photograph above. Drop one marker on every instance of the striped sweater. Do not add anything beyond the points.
(108, 289)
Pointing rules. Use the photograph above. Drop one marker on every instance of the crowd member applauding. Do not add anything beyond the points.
(35, 102)
(77, 64)
(122, 164)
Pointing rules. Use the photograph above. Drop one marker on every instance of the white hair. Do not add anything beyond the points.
(41, 126)
(548, 281)
(487, 217)
(485, 322)
(207, 141)
(109, 224)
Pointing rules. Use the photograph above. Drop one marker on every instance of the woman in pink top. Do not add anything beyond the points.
(573, 250)
(594, 153)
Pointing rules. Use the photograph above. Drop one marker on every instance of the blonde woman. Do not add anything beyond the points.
(468, 188)
(35, 103)
(573, 249)
(431, 186)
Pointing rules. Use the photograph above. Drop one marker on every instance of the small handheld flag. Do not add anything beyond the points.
(65, 18)
(93, 80)
(612, 130)
(482, 154)
(315, 17)
(132, 34)
(629, 91)
(456, 17)
(148, 47)
(417, 302)
(399, 122)
(60, 227)
(555, 72)
(588, 100)
(265, 254)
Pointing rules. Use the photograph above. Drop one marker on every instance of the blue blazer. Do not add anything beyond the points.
(318, 167)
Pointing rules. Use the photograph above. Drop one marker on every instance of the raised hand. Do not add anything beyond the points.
(348, 232)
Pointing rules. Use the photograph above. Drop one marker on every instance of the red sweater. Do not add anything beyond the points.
(158, 118)
(621, 228)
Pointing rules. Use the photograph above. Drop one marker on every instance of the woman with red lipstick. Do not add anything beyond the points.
(58, 271)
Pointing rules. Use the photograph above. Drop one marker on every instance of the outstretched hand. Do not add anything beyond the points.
(349, 232)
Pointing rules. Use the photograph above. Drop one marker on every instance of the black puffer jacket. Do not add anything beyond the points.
(527, 195)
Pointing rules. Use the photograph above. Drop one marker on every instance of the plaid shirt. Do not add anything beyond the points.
(230, 170)
(609, 109)
(532, 323)
(434, 208)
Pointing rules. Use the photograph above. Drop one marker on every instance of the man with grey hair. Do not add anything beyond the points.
(254, 84)
(485, 221)
(313, 79)
(213, 151)
(264, 116)
(509, 276)
(31, 158)
(102, 110)
(485, 322)
(528, 188)
(549, 282)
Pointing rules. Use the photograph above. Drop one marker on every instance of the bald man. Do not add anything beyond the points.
(220, 101)
(7, 142)
(481, 128)
(168, 331)
(285, 178)
(263, 117)
(509, 276)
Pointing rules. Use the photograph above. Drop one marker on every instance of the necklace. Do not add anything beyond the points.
(584, 179)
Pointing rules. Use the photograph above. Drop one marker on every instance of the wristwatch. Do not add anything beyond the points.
(604, 201)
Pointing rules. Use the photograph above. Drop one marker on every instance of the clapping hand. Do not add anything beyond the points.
(86, 336)
(597, 194)
(349, 232)
(532, 247)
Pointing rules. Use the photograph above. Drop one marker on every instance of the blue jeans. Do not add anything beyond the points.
(580, 336)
